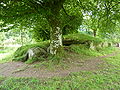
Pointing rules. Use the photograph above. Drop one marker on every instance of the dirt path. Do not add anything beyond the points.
(19, 69)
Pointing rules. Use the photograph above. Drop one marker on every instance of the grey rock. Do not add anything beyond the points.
(35, 52)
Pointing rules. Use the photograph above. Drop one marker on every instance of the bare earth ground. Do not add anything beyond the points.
(20, 69)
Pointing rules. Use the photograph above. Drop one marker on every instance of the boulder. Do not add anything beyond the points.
(118, 45)
(92, 46)
(104, 44)
(35, 52)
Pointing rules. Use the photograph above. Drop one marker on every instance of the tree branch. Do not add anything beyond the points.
(17, 15)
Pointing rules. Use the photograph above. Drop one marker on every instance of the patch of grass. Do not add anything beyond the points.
(1, 79)
(84, 50)
(113, 60)
(79, 53)
(107, 50)
(53, 62)
(106, 79)
(51, 65)
(81, 49)
(102, 80)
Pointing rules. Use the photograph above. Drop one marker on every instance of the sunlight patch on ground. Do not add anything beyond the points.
(7, 52)
(3, 55)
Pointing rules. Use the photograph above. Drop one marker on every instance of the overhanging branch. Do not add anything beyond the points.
(17, 15)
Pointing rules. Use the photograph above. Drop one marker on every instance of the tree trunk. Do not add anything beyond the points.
(55, 35)
(56, 29)
(56, 40)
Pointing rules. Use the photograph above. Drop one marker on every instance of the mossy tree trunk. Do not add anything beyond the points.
(56, 40)
(55, 36)
(56, 28)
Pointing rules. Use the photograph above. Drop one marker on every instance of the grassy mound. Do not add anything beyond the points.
(79, 48)
(83, 38)
(20, 52)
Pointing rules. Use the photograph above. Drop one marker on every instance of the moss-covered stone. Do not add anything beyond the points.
(21, 53)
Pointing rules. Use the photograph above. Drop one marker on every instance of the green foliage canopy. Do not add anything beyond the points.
(60, 13)
(30, 12)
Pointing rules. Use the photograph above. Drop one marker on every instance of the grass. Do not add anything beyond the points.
(105, 79)
(84, 50)
(114, 60)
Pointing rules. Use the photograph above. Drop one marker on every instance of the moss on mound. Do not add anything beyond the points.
(83, 38)
(21, 51)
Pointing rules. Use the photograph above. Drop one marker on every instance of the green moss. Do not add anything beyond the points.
(83, 38)
(20, 52)
(84, 50)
